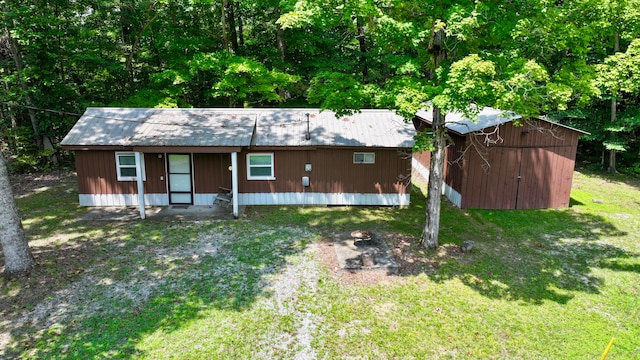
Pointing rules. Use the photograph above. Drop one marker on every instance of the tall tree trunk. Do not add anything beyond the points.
(436, 168)
(282, 46)
(9, 114)
(135, 41)
(232, 26)
(16, 56)
(363, 49)
(42, 141)
(614, 110)
(17, 255)
(282, 49)
(240, 26)
(436, 174)
(225, 35)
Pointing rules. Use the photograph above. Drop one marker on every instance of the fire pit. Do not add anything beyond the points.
(363, 238)
(363, 250)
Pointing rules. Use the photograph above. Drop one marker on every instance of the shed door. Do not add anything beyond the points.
(180, 186)
(536, 179)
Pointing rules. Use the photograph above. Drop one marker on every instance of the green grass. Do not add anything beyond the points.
(540, 284)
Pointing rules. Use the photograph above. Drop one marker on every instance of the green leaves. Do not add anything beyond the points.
(620, 72)
(470, 81)
(339, 92)
(248, 80)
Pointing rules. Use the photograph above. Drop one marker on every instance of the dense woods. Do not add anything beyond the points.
(575, 61)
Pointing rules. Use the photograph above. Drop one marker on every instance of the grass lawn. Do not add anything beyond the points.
(539, 284)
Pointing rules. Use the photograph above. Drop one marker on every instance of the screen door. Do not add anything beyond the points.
(180, 187)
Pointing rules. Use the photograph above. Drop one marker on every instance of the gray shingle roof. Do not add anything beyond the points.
(235, 127)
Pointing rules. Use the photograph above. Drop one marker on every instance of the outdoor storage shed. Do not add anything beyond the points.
(129, 156)
(493, 163)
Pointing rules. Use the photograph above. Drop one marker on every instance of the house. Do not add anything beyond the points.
(162, 157)
(492, 163)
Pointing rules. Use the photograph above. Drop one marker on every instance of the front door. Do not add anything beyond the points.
(180, 187)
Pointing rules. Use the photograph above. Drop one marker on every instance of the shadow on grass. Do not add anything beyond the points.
(609, 177)
(526, 255)
(102, 286)
(137, 285)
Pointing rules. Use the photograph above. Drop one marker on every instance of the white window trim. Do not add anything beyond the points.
(373, 155)
(118, 166)
(263, 177)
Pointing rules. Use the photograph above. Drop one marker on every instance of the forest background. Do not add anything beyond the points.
(59, 57)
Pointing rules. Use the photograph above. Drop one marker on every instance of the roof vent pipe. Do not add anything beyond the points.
(307, 136)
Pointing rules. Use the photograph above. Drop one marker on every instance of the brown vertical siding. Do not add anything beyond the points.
(536, 133)
(544, 161)
(495, 187)
(333, 171)
(156, 174)
(546, 178)
(424, 158)
(454, 172)
(211, 171)
(97, 174)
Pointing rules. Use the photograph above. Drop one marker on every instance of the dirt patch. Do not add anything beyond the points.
(411, 258)
(363, 250)
(60, 261)
(327, 254)
(27, 184)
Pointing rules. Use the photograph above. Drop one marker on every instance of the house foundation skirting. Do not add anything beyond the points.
(132, 199)
(252, 199)
(451, 194)
(323, 199)
(122, 199)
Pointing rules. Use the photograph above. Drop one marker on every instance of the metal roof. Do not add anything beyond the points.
(488, 117)
(457, 122)
(161, 127)
(368, 128)
(235, 127)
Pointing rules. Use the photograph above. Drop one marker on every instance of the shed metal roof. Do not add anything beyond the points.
(488, 117)
(238, 127)
(457, 122)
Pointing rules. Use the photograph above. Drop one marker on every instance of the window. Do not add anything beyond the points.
(126, 166)
(364, 158)
(260, 167)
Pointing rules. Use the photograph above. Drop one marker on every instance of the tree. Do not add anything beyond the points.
(456, 56)
(619, 78)
(17, 255)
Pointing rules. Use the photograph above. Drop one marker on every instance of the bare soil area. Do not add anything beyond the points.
(64, 263)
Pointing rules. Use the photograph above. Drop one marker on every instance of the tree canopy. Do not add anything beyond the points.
(575, 61)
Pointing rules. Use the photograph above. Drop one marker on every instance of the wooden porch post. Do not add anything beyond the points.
(140, 181)
(234, 183)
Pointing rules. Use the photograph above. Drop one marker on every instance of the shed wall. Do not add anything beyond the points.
(532, 168)
(454, 164)
(423, 157)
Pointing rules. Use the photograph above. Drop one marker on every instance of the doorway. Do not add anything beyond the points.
(180, 183)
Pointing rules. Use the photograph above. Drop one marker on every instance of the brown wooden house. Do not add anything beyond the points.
(492, 163)
(139, 157)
